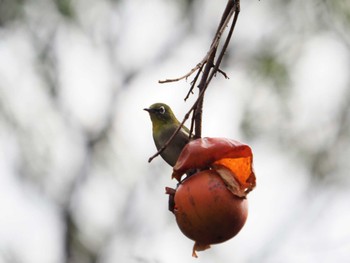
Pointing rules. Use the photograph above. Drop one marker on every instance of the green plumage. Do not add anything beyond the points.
(164, 124)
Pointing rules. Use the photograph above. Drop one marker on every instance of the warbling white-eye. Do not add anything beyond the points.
(164, 124)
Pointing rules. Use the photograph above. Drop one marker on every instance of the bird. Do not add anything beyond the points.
(164, 124)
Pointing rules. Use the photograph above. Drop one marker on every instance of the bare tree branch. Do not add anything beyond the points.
(210, 69)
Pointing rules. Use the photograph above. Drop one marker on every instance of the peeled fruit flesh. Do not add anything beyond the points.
(206, 211)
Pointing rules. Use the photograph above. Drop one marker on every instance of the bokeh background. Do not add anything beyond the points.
(75, 184)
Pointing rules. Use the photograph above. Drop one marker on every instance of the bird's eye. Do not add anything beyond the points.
(161, 110)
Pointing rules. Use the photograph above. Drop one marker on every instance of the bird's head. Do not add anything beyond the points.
(161, 114)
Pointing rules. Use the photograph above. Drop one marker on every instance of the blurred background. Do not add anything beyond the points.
(75, 184)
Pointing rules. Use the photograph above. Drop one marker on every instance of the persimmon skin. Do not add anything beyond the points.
(206, 211)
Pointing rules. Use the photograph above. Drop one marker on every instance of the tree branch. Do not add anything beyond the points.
(210, 69)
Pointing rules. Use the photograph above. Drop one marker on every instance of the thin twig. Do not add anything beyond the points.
(223, 23)
(227, 41)
(229, 9)
(193, 83)
(198, 110)
(198, 66)
(171, 137)
(197, 116)
(223, 73)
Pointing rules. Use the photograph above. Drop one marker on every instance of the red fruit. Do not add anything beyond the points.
(206, 211)
(232, 159)
(211, 206)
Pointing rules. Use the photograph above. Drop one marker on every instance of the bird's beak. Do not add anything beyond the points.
(149, 110)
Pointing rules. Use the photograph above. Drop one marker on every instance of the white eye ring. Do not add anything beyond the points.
(161, 110)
